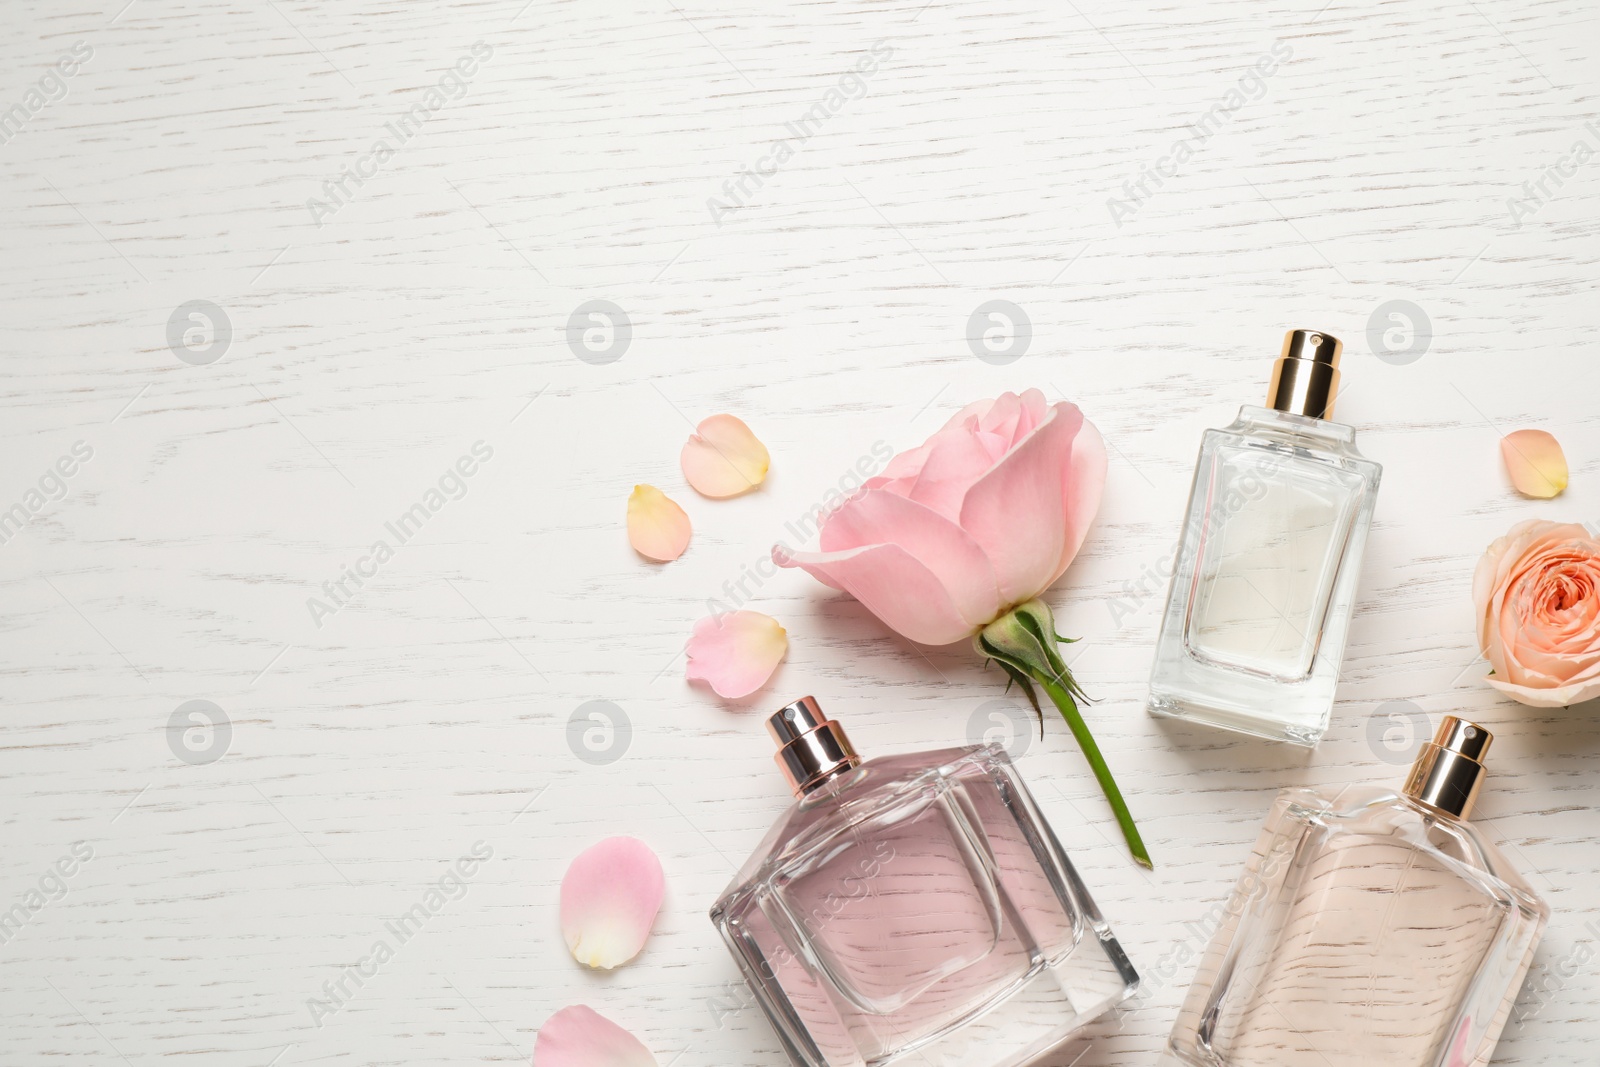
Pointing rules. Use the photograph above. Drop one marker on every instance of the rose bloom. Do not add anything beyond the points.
(981, 517)
(1537, 591)
(958, 537)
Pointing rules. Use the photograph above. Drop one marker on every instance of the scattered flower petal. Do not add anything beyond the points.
(579, 1036)
(658, 528)
(723, 458)
(609, 900)
(736, 652)
(1534, 459)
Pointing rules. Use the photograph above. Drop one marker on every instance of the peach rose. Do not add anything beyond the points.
(1537, 591)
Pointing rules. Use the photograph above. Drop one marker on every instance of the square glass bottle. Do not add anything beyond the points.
(1370, 927)
(916, 910)
(1265, 574)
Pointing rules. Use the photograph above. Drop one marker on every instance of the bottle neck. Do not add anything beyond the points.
(1335, 435)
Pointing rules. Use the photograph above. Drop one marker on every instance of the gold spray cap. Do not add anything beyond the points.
(1305, 380)
(1449, 769)
(812, 748)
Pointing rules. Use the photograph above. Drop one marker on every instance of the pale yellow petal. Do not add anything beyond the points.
(1534, 459)
(723, 458)
(658, 529)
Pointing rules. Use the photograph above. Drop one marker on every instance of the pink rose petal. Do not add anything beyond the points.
(901, 590)
(1034, 410)
(1031, 510)
(1534, 459)
(1085, 481)
(957, 458)
(579, 1036)
(723, 458)
(609, 900)
(881, 517)
(735, 652)
(658, 528)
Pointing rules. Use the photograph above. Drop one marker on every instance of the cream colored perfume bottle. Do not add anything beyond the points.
(1371, 927)
(1265, 577)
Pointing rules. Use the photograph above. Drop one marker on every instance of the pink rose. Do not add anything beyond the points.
(1537, 591)
(958, 537)
(982, 517)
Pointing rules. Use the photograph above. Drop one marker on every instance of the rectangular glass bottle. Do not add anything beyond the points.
(915, 909)
(1370, 927)
(1265, 575)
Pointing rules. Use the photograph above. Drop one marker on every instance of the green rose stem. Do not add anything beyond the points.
(1023, 642)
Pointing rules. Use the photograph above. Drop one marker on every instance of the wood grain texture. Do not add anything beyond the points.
(373, 346)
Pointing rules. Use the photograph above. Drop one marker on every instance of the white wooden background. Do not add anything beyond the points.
(430, 312)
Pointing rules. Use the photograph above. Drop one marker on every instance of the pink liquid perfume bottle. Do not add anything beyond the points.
(1371, 926)
(914, 909)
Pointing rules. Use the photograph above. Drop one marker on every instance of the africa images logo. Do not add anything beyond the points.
(852, 85)
(337, 191)
(342, 590)
(1252, 86)
(397, 932)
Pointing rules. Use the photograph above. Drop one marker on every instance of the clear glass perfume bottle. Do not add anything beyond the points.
(914, 909)
(1370, 927)
(1265, 574)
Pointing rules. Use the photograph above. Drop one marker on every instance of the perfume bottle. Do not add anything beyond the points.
(1265, 572)
(1370, 927)
(914, 909)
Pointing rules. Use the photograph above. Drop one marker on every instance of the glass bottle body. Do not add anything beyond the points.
(918, 909)
(1367, 928)
(1264, 578)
